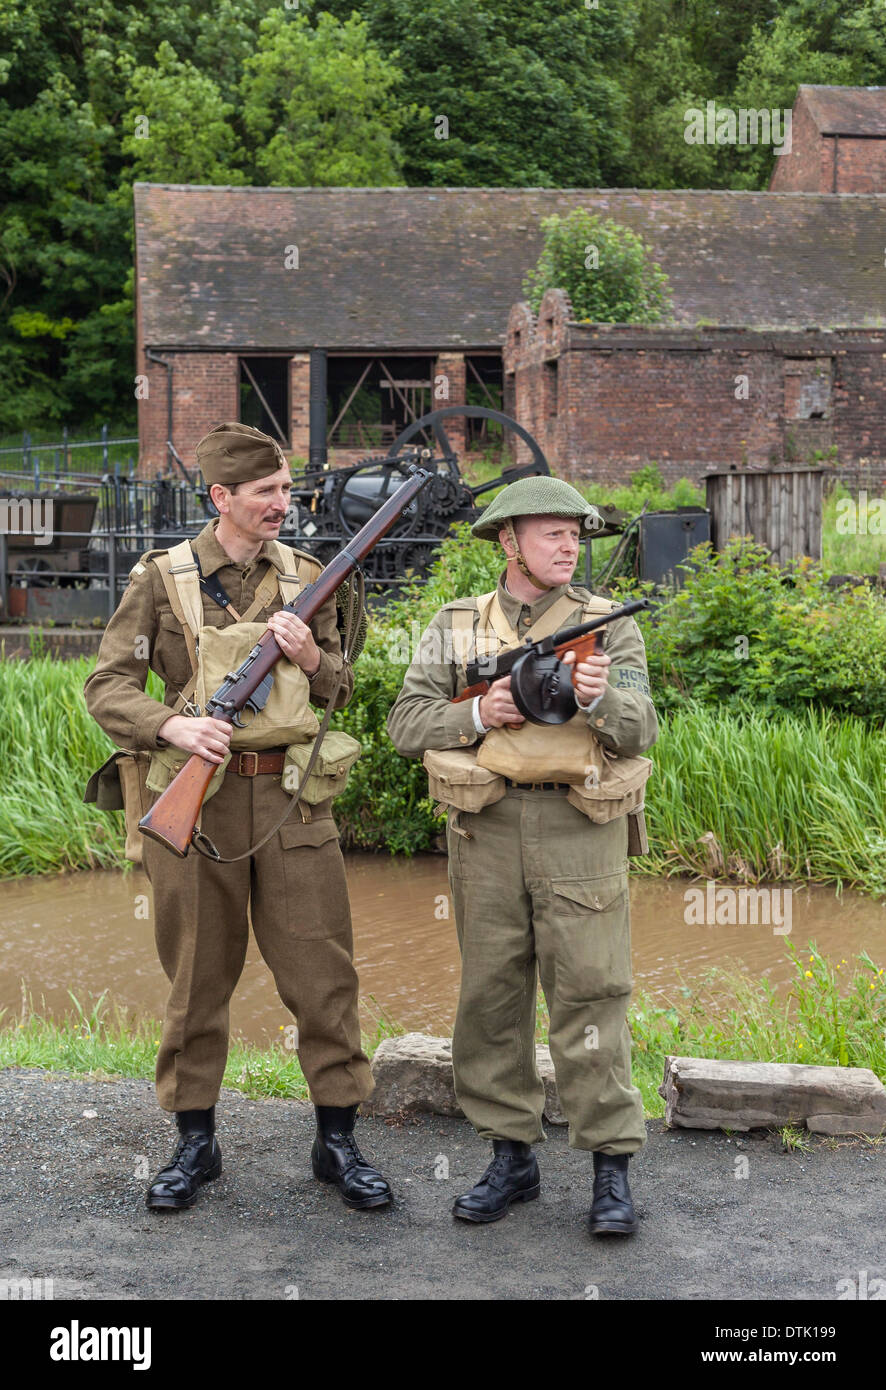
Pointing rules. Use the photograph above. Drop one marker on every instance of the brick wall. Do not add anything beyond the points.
(807, 168)
(300, 405)
(693, 400)
(204, 393)
(861, 165)
(821, 163)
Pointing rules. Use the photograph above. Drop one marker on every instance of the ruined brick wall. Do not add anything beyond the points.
(604, 400)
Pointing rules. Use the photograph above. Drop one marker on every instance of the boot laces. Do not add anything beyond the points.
(497, 1168)
(608, 1183)
(186, 1142)
(348, 1142)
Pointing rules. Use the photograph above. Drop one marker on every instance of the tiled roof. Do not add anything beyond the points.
(846, 110)
(428, 268)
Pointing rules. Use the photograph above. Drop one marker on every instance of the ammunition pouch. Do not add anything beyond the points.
(329, 776)
(120, 784)
(167, 763)
(456, 779)
(617, 792)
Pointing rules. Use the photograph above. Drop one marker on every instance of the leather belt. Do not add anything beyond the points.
(252, 764)
(538, 786)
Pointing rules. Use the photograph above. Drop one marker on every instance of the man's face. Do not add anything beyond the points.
(258, 508)
(549, 545)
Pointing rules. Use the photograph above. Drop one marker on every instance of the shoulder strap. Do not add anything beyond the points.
(181, 579)
(461, 625)
(593, 605)
(296, 571)
(495, 632)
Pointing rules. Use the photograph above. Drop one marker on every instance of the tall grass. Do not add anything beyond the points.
(49, 745)
(755, 797)
(734, 792)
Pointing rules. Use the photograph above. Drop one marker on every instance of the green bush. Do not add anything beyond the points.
(743, 629)
(386, 800)
(624, 286)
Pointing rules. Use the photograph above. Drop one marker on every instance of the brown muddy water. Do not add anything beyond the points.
(89, 932)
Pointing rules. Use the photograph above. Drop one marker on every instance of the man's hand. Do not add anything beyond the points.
(591, 676)
(497, 706)
(296, 641)
(208, 737)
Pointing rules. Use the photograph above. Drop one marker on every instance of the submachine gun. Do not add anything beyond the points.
(541, 683)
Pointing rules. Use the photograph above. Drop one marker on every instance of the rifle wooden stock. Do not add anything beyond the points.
(173, 817)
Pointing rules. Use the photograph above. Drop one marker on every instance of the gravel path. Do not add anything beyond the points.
(76, 1155)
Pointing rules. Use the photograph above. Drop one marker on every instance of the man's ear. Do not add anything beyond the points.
(505, 542)
(220, 495)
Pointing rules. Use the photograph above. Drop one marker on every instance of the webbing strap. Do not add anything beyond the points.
(494, 633)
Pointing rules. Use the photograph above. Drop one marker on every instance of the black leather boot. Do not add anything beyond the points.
(612, 1212)
(335, 1158)
(197, 1159)
(512, 1176)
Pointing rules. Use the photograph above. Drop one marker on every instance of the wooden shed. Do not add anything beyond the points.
(779, 507)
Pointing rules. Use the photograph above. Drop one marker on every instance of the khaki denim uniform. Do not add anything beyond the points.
(538, 887)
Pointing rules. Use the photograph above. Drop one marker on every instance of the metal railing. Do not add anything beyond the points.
(28, 455)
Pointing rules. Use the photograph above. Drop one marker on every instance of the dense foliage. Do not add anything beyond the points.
(770, 763)
(741, 629)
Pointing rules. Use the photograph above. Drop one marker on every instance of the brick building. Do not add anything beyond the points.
(604, 399)
(838, 142)
(388, 302)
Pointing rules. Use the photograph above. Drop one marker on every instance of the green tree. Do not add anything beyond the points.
(317, 104)
(512, 96)
(179, 126)
(806, 44)
(604, 267)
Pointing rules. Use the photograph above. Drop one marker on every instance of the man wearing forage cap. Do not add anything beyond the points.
(294, 885)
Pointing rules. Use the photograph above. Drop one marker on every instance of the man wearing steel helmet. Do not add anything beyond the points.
(538, 884)
(293, 884)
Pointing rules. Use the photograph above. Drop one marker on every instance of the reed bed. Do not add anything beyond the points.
(751, 796)
(49, 746)
(735, 793)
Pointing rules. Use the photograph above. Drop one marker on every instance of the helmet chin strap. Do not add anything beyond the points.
(509, 526)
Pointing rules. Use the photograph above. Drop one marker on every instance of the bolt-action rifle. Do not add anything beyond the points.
(173, 817)
(541, 683)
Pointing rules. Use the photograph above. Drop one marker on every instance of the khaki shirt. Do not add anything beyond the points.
(422, 716)
(145, 633)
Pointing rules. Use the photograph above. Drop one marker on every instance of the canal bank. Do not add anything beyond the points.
(76, 1155)
(91, 932)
